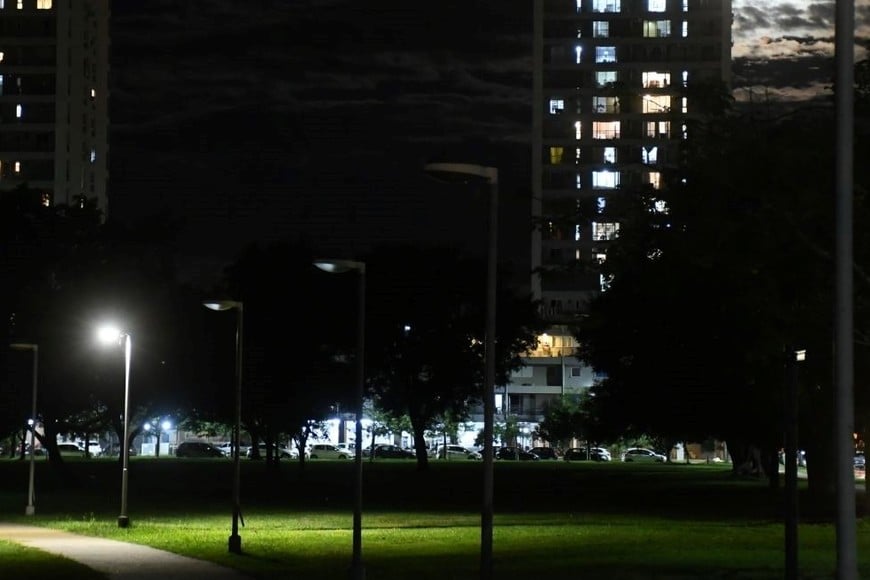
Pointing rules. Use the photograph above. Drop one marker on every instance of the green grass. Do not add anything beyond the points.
(553, 520)
(24, 563)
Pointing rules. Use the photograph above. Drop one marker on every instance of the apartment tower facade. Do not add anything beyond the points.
(612, 87)
(54, 95)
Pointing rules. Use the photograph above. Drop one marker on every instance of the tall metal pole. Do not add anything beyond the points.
(791, 457)
(844, 411)
(357, 567)
(235, 540)
(30, 509)
(486, 518)
(123, 519)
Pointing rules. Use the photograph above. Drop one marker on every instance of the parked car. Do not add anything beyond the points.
(70, 449)
(94, 448)
(197, 449)
(457, 452)
(545, 452)
(350, 447)
(639, 454)
(384, 451)
(515, 453)
(584, 454)
(328, 451)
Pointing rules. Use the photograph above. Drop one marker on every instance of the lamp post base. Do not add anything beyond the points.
(235, 544)
(29, 510)
(123, 521)
(357, 571)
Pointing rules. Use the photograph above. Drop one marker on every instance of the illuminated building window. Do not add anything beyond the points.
(656, 28)
(556, 154)
(600, 204)
(599, 257)
(18, 111)
(605, 77)
(685, 5)
(685, 78)
(17, 167)
(610, 155)
(579, 5)
(2, 54)
(606, 6)
(578, 130)
(605, 130)
(1, 84)
(600, 29)
(605, 104)
(656, 103)
(43, 4)
(93, 93)
(656, 80)
(649, 155)
(605, 179)
(660, 206)
(605, 54)
(653, 178)
(19, 4)
(685, 29)
(93, 155)
(577, 232)
(45, 200)
(657, 5)
(605, 281)
(603, 231)
(577, 156)
(578, 180)
(685, 131)
(685, 105)
(658, 129)
(557, 106)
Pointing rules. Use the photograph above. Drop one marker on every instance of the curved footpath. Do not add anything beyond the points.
(118, 560)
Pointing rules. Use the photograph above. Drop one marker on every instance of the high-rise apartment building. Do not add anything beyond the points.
(614, 86)
(612, 96)
(54, 91)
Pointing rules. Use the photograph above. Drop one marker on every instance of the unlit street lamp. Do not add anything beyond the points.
(108, 335)
(31, 508)
(468, 173)
(235, 540)
(357, 570)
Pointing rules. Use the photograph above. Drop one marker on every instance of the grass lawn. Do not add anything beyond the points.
(553, 519)
(24, 563)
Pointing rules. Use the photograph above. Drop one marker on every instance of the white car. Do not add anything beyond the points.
(458, 452)
(639, 454)
(328, 451)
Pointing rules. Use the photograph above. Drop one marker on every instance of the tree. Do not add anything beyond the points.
(425, 325)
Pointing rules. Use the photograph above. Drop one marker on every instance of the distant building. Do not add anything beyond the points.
(54, 92)
(611, 95)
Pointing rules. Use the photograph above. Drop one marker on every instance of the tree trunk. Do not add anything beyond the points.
(419, 429)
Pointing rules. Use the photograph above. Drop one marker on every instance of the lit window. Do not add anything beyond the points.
(685, 105)
(600, 29)
(20, 4)
(93, 93)
(685, 5)
(605, 54)
(610, 155)
(602, 231)
(43, 4)
(46, 200)
(17, 167)
(649, 155)
(656, 80)
(579, 181)
(605, 77)
(93, 155)
(605, 179)
(656, 103)
(1, 84)
(656, 28)
(653, 178)
(577, 156)
(2, 54)
(578, 54)
(685, 29)
(577, 232)
(599, 257)
(606, 6)
(605, 130)
(658, 129)
(605, 104)
(605, 281)
(18, 111)
(657, 5)
(578, 130)
(661, 206)
(579, 5)
(685, 78)
(600, 204)
(685, 131)
(556, 106)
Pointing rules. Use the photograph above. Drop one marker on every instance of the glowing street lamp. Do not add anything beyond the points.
(469, 173)
(31, 508)
(235, 540)
(110, 335)
(357, 570)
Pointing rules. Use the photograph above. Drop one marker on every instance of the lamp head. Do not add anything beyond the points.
(220, 305)
(108, 334)
(340, 266)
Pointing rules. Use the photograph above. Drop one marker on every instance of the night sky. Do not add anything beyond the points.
(257, 121)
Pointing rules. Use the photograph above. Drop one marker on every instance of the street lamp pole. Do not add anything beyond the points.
(467, 172)
(31, 508)
(357, 569)
(235, 540)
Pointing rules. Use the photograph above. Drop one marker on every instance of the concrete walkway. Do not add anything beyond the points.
(118, 560)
